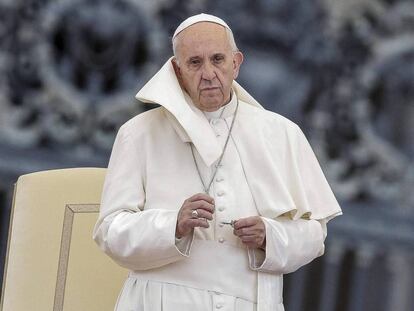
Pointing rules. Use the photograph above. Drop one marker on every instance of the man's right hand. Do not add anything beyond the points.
(186, 222)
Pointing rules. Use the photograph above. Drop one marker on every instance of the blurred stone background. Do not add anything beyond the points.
(342, 70)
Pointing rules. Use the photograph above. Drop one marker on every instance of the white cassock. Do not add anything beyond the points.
(268, 169)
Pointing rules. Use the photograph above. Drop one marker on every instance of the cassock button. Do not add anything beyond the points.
(219, 179)
(218, 135)
(221, 225)
(220, 193)
(221, 240)
(214, 121)
(221, 208)
(219, 306)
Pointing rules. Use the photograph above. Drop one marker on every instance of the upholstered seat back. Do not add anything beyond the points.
(52, 263)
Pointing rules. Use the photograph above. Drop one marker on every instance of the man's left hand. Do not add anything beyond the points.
(251, 231)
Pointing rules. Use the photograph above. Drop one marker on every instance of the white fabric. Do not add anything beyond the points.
(144, 189)
(156, 296)
(269, 170)
(226, 272)
(197, 19)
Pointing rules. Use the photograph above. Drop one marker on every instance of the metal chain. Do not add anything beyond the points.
(207, 189)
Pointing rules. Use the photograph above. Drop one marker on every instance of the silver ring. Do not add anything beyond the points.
(194, 213)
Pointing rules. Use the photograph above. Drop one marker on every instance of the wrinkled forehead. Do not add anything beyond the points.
(202, 30)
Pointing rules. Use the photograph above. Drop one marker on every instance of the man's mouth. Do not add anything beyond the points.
(210, 88)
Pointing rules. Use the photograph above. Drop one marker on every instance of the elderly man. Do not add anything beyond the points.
(210, 199)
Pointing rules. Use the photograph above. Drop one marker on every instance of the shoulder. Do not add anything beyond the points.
(267, 118)
(143, 123)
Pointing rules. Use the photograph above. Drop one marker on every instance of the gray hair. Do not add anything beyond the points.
(230, 37)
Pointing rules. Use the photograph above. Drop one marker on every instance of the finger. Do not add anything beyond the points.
(246, 231)
(198, 222)
(246, 222)
(239, 232)
(201, 214)
(189, 224)
(201, 205)
(201, 196)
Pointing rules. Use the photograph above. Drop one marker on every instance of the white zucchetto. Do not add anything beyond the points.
(198, 19)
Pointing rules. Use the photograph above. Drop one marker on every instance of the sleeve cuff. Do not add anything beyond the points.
(256, 258)
(183, 245)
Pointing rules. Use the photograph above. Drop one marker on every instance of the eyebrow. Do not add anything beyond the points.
(196, 57)
(219, 54)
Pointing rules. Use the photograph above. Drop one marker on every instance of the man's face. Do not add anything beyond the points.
(206, 64)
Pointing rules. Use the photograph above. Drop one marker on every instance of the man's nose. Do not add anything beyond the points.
(208, 72)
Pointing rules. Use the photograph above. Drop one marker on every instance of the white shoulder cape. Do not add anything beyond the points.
(282, 171)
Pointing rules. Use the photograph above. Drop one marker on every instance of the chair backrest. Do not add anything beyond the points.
(52, 263)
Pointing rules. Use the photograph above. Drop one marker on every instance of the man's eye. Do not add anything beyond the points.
(218, 59)
(194, 62)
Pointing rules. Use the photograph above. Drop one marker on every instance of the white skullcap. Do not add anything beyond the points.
(197, 19)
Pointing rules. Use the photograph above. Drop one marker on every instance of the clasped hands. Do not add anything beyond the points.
(250, 230)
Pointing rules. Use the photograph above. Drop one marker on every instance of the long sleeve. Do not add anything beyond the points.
(290, 244)
(134, 237)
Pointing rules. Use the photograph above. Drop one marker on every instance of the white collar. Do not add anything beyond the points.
(224, 111)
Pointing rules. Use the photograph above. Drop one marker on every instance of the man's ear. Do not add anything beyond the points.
(237, 61)
(177, 70)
